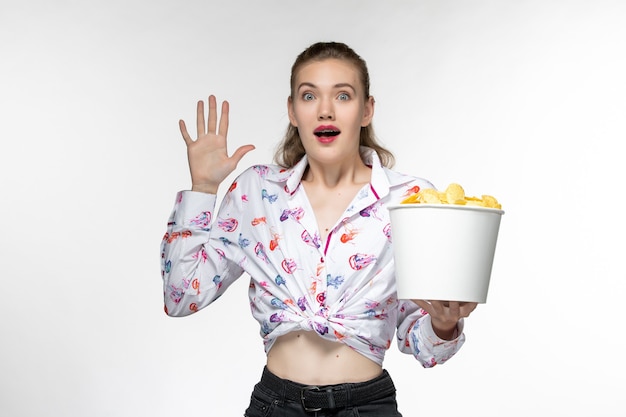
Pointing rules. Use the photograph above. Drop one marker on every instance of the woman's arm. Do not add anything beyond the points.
(195, 269)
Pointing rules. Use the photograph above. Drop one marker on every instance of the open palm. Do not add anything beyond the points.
(209, 163)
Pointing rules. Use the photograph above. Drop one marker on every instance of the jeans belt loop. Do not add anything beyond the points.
(331, 398)
(348, 394)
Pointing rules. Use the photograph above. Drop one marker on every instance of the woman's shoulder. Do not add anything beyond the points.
(263, 170)
(400, 179)
(261, 173)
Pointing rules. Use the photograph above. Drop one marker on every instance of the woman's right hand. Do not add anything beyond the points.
(208, 158)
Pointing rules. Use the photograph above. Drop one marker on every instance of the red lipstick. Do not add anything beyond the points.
(326, 133)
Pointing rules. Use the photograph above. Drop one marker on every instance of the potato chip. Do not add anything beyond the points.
(490, 201)
(454, 194)
(411, 199)
(473, 201)
(429, 196)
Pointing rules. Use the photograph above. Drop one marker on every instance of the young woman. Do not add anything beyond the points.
(313, 234)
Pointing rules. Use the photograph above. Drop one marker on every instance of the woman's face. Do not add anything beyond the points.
(329, 108)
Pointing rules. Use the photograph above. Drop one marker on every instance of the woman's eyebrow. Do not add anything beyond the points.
(306, 84)
(336, 86)
(344, 85)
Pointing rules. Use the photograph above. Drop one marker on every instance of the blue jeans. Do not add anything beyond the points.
(267, 400)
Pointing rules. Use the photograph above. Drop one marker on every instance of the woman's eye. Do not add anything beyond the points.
(307, 96)
(344, 96)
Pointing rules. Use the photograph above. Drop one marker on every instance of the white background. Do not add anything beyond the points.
(524, 100)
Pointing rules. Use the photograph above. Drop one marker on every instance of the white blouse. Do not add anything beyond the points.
(343, 289)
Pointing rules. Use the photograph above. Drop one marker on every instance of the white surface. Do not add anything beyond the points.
(523, 99)
(444, 252)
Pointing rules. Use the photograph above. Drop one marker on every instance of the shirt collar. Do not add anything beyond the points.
(382, 178)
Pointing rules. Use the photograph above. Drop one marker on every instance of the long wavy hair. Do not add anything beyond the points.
(291, 150)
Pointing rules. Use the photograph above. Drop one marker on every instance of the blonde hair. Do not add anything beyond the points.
(291, 150)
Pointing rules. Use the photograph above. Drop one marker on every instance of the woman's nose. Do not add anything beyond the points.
(325, 111)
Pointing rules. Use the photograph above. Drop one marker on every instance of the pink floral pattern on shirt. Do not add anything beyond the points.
(343, 288)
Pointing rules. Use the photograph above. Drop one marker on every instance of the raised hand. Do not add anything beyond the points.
(209, 163)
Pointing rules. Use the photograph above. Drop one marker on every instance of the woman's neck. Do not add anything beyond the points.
(348, 172)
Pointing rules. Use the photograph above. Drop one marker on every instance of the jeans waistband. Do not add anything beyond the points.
(325, 397)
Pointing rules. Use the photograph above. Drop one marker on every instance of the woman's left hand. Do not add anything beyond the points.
(445, 315)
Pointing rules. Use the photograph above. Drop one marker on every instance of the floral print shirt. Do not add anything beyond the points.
(342, 288)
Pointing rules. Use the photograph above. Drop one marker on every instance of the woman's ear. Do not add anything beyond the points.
(368, 112)
(290, 112)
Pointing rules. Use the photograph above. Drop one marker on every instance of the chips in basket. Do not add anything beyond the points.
(454, 194)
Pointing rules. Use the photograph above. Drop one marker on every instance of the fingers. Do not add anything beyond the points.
(454, 308)
(200, 124)
(424, 305)
(183, 131)
(212, 114)
(467, 308)
(458, 309)
(224, 119)
(241, 151)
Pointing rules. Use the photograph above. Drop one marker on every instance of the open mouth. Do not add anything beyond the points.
(326, 132)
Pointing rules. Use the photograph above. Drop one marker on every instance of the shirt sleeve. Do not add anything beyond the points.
(195, 266)
(416, 336)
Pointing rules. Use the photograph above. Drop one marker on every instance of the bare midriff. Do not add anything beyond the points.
(307, 358)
